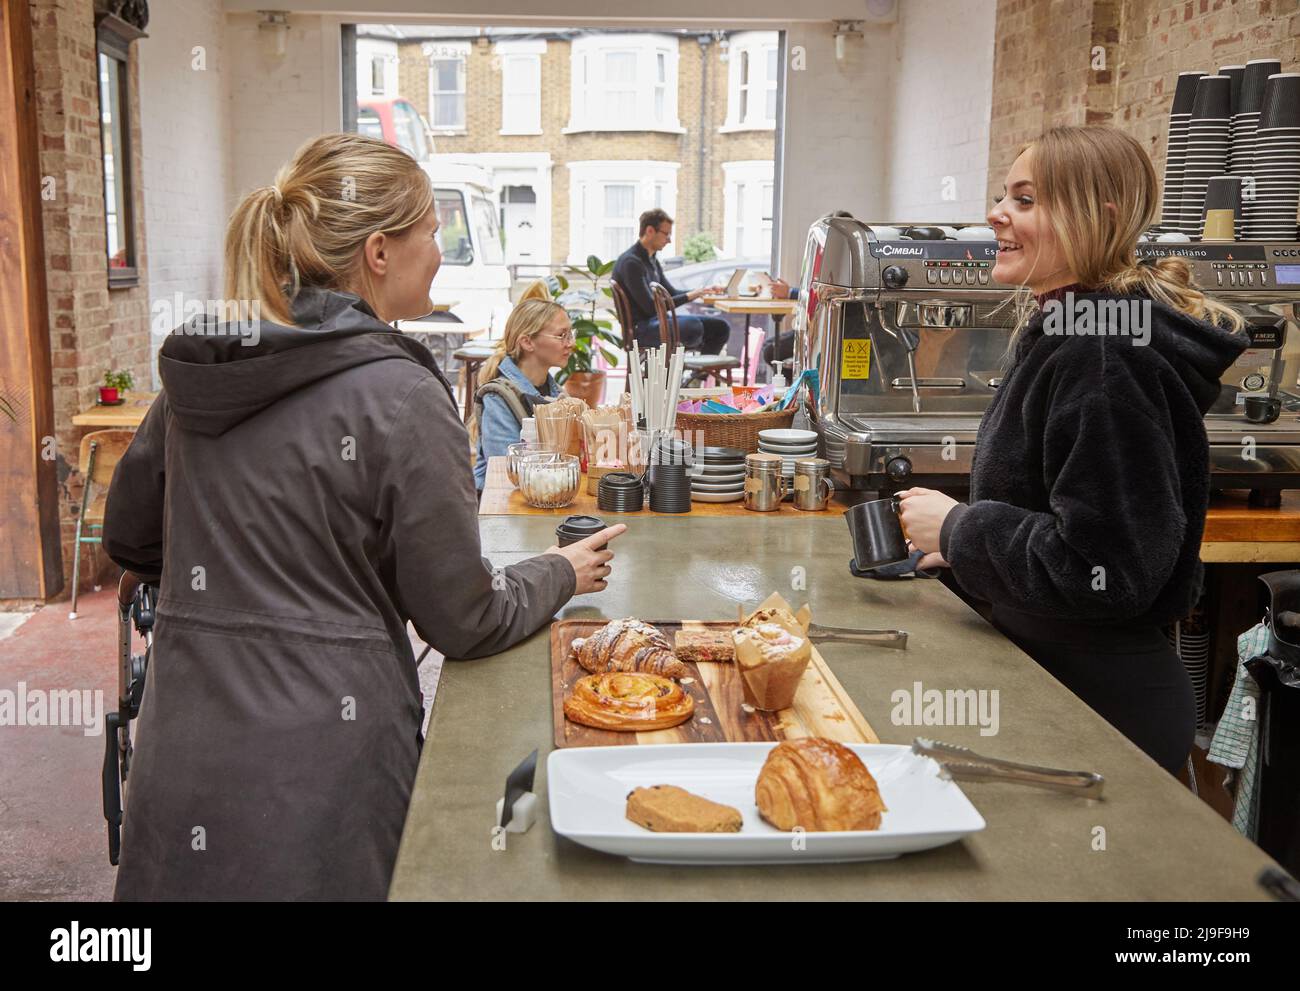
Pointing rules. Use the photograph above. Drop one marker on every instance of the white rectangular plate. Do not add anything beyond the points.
(587, 790)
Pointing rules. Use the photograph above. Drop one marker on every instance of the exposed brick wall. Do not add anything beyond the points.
(483, 126)
(92, 328)
(1044, 74)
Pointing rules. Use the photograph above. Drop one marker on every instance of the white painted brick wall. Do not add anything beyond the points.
(942, 90)
(185, 160)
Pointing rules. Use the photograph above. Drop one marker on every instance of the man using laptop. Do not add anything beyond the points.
(638, 266)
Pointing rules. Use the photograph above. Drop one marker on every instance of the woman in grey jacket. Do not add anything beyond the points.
(302, 489)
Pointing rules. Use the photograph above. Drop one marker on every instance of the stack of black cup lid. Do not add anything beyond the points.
(575, 528)
(620, 492)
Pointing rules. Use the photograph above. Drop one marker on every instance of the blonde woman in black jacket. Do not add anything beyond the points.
(1090, 478)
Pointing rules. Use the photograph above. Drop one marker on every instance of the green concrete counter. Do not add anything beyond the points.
(1160, 841)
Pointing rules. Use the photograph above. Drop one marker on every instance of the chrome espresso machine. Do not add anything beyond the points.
(909, 335)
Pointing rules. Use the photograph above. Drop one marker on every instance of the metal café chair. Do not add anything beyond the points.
(698, 366)
(101, 450)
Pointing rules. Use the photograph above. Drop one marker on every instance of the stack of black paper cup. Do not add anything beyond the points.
(1277, 161)
(1235, 74)
(1207, 147)
(1176, 152)
(1245, 130)
(620, 492)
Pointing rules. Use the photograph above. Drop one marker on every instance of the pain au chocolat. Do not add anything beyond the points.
(817, 785)
(628, 645)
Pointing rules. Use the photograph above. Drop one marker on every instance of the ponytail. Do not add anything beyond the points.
(528, 319)
(1168, 280)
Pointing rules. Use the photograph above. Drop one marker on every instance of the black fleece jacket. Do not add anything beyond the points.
(1090, 478)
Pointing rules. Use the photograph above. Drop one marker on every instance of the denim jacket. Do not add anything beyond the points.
(498, 428)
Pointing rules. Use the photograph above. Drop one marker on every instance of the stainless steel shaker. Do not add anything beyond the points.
(765, 485)
(813, 487)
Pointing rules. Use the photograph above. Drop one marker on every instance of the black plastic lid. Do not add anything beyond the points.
(579, 527)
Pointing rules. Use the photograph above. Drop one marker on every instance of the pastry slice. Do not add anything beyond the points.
(704, 644)
(669, 809)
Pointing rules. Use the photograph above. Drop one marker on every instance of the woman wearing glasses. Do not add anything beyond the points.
(538, 338)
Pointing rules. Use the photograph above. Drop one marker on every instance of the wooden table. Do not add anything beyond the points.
(129, 415)
(1237, 533)
(752, 306)
(500, 498)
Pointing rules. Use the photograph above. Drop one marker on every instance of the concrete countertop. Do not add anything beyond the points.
(1149, 838)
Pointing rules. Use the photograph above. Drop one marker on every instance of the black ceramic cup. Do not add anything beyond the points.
(877, 534)
(1263, 409)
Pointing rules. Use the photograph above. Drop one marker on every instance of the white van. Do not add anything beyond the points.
(473, 275)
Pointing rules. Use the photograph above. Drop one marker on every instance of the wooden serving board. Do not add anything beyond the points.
(821, 706)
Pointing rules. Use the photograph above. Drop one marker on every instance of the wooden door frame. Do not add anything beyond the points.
(31, 556)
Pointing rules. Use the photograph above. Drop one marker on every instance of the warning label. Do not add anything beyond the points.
(855, 361)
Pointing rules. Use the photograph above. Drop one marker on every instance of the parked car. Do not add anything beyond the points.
(717, 273)
(398, 123)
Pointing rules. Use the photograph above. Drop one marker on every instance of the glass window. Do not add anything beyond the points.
(369, 124)
(453, 227)
(447, 83)
(620, 86)
(410, 130)
(117, 166)
(738, 245)
(769, 104)
(487, 233)
(661, 87)
(377, 75)
(744, 84)
(619, 228)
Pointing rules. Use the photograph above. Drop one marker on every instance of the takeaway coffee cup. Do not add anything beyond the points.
(877, 534)
(575, 528)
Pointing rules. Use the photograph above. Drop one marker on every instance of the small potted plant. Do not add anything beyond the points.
(590, 332)
(115, 384)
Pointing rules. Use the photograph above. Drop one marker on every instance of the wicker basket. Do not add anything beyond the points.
(738, 430)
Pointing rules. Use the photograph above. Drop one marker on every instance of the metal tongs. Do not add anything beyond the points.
(843, 634)
(962, 764)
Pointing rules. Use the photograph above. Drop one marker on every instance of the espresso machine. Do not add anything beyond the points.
(909, 335)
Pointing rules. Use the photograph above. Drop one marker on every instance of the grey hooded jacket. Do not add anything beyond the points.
(301, 499)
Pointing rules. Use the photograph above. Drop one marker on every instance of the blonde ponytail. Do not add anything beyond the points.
(308, 228)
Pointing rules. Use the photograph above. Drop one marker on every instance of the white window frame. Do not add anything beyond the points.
(587, 181)
(375, 53)
(755, 45)
(437, 51)
(743, 183)
(587, 109)
(523, 57)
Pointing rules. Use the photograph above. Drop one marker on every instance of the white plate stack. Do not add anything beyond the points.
(718, 475)
(1207, 147)
(789, 444)
(1277, 161)
(1176, 156)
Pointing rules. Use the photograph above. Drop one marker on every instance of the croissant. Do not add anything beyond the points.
(819, 785)
(628, 645)
(628, 701)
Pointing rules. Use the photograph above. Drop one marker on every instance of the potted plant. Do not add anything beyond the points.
(115, 383)
(590, 331)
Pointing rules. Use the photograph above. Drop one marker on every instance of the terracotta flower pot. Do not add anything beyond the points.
(107, 395)
(587, 386)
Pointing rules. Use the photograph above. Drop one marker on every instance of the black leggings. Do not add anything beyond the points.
(1134, 679)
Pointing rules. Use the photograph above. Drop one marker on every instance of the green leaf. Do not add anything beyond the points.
(593, 265)
(564, 283)
(607, 291)
(609, 356)
(605, 269)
